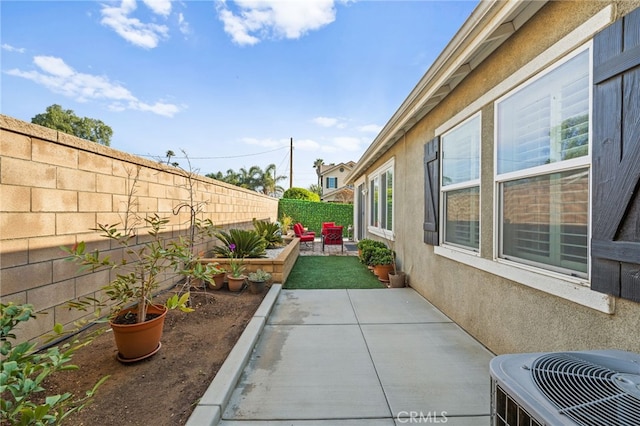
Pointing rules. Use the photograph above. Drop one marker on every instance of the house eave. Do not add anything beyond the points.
(488, 26)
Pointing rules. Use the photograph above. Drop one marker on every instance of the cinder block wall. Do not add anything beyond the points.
(54, 188)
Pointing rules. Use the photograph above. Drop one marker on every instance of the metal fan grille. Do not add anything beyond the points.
(585, 392)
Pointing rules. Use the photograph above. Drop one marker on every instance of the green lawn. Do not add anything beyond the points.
(330, 272)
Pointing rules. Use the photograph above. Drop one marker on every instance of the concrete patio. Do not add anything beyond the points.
(356, 357)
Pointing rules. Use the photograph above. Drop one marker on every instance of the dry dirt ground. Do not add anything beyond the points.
(163, 389)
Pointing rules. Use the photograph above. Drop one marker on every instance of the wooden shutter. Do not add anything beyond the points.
(615, 245)
(431, 191)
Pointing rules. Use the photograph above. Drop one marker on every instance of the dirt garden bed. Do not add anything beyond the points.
(164, 389)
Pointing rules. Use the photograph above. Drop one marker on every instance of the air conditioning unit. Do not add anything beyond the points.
(589, 388)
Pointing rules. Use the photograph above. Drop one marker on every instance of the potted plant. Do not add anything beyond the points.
(382, 259)
(137, 322)
(366, 247)
(235, 277)
(257, 281)
(217, 277)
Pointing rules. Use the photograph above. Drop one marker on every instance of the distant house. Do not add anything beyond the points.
(509, 178)
(333, 180)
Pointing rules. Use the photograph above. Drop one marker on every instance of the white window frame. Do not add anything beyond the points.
(583, 162)
(460, 185)
(569, 288)
(378, 230)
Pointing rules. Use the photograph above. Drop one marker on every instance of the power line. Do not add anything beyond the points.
(214, 158)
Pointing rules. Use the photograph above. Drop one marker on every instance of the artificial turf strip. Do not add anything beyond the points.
(330, 272)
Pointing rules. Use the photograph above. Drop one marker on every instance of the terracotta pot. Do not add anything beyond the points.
(218, 282)
(139, 341)
(397, 280)
(235, 283)
(256, 287)
(382, 271)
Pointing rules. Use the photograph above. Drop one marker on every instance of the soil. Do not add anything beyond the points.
(163, 389)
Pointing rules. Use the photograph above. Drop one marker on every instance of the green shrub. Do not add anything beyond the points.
(367, 248)
(301, 194)
(312, 215)
(269, 231)
(247, 244)
(381, 256)
(24, 370)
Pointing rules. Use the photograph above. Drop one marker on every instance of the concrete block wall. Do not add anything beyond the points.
(54, 188)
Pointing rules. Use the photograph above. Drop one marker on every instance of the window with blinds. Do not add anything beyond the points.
(461, 184)
(546, 121)
(542, 168)
(381, 200)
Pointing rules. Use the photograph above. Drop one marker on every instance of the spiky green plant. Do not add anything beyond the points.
(247, 244)
(269, 231)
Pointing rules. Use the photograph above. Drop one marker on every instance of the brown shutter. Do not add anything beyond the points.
(431, 191)
(615, 245)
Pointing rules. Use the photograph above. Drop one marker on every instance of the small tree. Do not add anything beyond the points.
(24, 370)
(68, 122)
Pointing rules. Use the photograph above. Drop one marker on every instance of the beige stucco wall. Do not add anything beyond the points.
(54, 188)
(505, 316)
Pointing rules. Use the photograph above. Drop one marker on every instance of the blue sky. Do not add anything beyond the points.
(229, 82)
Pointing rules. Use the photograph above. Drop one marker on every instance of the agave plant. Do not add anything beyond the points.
(247, 244)
(270, 231)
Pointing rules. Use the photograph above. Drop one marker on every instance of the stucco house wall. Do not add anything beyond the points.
(476, 291)
(54, 188)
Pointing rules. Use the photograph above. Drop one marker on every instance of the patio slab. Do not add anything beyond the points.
(394, 306)
(313, 307)
(309, 372)
(359, 357)
(430, 368)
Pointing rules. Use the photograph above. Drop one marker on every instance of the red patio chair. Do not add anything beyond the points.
(326, 225)
(305, 237)
(333, 236)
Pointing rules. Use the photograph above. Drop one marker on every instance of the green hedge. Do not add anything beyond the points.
(312, 214)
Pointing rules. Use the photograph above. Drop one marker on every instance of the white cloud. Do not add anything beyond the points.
(10, 48)
(325, 121)
(370, 128)
(146, 35)
(256, 20)
(57, 76)
(267, 142)
(183, 24)
(347, 143)
(159, 7)
(338, 123)
(306, 145)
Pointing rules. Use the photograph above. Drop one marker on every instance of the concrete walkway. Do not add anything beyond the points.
(350, 357)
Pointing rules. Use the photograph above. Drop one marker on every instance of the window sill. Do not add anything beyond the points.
(383, 233)
(570, 289)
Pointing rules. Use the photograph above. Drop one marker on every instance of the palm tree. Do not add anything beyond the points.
(318, 165)
(266, 181)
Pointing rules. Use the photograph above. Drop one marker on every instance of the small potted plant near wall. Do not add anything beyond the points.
(258, 280)
(235, 277)
(136, 320)
(382, 260)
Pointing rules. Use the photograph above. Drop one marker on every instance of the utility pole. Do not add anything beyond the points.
(291, 164)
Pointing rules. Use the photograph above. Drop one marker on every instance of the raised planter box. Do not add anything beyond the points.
(279, 267)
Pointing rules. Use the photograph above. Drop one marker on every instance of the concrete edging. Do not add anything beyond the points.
(212, 404)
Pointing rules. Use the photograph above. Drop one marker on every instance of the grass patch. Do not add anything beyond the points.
(330, 272)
